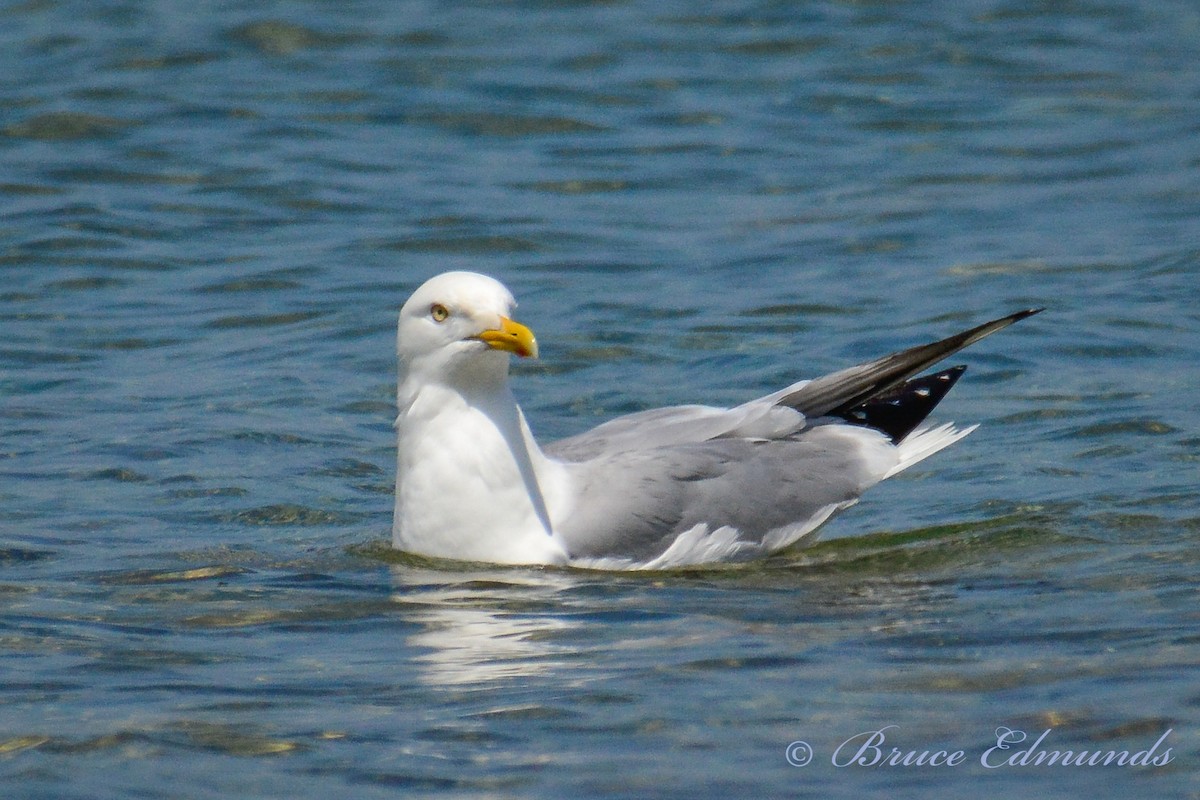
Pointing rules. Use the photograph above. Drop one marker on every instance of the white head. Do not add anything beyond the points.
(457, 324)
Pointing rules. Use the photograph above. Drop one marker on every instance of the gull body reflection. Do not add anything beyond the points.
(486, 626)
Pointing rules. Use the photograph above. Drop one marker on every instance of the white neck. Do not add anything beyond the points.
(471, 482)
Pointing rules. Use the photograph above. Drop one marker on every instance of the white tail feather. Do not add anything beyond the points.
(924, 442)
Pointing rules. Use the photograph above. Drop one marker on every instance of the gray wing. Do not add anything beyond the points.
(776, 415)
(678, 425)
(642, 480)
(633, 504)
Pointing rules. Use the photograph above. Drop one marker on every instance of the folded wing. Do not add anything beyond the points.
(689, 484)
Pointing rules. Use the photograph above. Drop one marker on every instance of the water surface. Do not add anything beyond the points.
(211, 214)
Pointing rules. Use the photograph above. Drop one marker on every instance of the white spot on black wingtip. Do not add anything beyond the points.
(898, 411)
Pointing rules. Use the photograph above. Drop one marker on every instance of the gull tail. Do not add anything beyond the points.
(923, 443)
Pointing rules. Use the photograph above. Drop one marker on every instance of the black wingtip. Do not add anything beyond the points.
(899, 411)
(843, 391)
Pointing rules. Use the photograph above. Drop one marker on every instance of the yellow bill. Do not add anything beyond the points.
(512, 337)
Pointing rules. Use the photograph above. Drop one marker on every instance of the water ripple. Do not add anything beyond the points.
(211, 218)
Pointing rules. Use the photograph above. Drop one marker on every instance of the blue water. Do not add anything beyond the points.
(210, 214)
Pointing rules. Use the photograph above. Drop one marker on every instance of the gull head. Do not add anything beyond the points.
(459, 323)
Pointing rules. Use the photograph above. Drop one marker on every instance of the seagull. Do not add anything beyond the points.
(659, 489)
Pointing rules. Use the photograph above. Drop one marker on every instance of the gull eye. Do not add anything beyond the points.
(439, 312)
